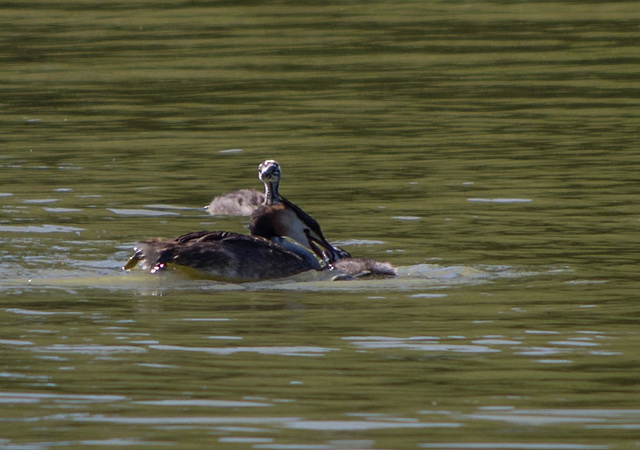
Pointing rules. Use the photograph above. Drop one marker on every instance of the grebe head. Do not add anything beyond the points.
(269, 173)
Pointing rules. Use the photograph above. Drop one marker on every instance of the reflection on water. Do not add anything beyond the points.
(487, 149)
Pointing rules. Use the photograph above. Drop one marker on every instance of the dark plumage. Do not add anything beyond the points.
(223, 255)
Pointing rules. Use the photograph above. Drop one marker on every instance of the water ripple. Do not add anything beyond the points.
(29, 397)
(284, 351)
(90, 349)
(30, 312)
(142, 212)
(359, 425)
(513, 446)
(376, 342)
(205, 403)
(500, 200)
(39, 229)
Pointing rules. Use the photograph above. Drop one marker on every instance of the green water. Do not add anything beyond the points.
(487, 149)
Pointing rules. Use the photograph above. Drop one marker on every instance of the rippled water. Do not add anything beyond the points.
(487, 149)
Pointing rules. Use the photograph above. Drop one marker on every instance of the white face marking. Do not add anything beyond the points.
(269, 171)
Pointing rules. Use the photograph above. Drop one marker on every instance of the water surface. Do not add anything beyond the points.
(488, 149)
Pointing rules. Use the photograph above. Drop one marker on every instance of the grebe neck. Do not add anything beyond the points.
(271, 193)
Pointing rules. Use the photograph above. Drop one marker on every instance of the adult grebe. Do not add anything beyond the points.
(225, 255)
(280, 217)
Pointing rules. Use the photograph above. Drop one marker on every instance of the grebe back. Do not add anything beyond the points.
(223, 255)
